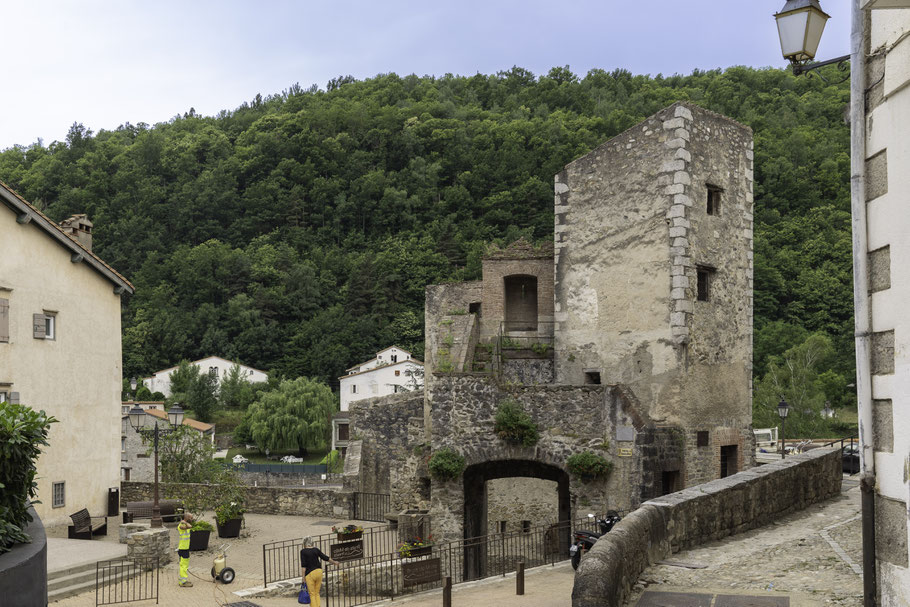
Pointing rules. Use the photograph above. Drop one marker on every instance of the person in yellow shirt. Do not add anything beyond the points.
(183, 550)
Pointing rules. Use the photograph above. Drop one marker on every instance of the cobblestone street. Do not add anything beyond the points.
(792, 557)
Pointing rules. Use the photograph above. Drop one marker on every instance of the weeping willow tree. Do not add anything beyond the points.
(295, 416)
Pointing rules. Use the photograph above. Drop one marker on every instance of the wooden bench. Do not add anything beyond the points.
(169, 510)
(83, 528)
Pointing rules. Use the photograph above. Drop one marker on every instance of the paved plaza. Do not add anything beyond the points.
(808, 559)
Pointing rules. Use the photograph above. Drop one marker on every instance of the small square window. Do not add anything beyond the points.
(394, 358)
(4, 396)
(713, 202)
(397, 373)
(502, 526)
(702, 437)
(705, 276)
(59, 491)
(592, 377)
(526, 526)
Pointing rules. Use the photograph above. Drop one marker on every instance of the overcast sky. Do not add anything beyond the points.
(106, 62)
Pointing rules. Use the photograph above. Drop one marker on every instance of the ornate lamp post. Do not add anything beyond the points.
(800, 24)
(133, 383)
(782, 410)
(138, 418)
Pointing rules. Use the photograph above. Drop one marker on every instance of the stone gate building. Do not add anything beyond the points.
(630, 337)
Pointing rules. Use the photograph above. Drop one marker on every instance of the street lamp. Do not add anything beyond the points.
(782, 410)
(828, 412)
(800, 24)
(138, 418)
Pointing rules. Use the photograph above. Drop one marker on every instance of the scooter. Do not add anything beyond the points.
(584, 540)
(223, 574)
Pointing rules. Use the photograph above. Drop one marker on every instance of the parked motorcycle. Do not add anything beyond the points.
(584, 540)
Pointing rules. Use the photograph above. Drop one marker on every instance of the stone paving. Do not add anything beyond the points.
(813, 557)
(810, 557)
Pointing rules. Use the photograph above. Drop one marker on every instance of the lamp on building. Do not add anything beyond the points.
(782, 410)
(800, 24)
(138, 418)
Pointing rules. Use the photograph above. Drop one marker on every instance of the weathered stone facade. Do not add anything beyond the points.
(630, 338)
(513, 503)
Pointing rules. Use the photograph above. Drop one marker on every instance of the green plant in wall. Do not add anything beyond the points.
(513, 425)
(449, 340)
(540, 349)
(589, 465)
(446, 464)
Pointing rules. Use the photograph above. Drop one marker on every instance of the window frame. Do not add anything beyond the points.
(61, 503)
(704, 277)
(713, 199)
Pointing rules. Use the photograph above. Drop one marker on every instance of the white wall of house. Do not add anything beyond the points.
(75, 376)
(888, 190)
(390, 372)
(217, 366)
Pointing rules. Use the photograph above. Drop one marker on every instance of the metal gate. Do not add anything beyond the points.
(125, 581)
(372, 506)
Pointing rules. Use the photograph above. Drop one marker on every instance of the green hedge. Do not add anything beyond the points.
(23, 431)
(446, 464)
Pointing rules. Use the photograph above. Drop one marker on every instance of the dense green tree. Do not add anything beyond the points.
(295, 416)
(235, 391)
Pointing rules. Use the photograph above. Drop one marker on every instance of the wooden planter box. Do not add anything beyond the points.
(346, 537)
(199, 539)
(230, 528)
(421, 551)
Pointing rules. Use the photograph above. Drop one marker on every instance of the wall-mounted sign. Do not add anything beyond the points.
(625, 452)
(347, 551)
(421, 572)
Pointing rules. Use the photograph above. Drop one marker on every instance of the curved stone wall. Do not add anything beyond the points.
(23, 570)
(701, 514)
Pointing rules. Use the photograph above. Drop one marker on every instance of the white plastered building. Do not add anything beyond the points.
(160, 381)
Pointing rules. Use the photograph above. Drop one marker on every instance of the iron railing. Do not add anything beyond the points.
(386, 574)
(281, 560)
(126, 581)
(279, 468)
(372, 506)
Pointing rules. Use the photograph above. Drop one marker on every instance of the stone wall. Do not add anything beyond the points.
(698, 515)
(571, 419)
(392, 452)
(528, 371)
(515, 500)
(298, 501)
(633, 232)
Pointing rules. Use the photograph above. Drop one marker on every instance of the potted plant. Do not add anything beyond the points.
(228, 518)
(348, 532)
(415, 547)
(199, 535)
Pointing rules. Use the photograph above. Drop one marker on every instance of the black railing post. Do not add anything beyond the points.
(520, 579)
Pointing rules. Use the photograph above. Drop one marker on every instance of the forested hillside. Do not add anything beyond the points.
(297, 232)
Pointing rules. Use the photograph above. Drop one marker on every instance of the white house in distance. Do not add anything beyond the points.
(60, 351)
(393, 370)
(390, 372)
(160, 381)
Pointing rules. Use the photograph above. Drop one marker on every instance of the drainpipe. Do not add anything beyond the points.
(861, 300)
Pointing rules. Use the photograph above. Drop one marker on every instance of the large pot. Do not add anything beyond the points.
(199, 539)
(354, 535)
(229, 529)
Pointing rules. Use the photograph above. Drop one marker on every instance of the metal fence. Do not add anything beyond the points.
(281, 560)
(389, 575)
(371, 506)
(382, 573)
(126, 581)
(281, 468)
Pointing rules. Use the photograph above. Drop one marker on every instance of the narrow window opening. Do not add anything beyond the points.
(713, 203)
(702, 438)
(705, 275)
(474, 308)
(729, 461)
(502, 526)
(526, 526)
(592, 377)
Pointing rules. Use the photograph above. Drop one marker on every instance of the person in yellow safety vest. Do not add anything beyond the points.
(183, 550)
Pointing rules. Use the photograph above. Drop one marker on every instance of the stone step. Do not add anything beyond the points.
(68, 571)
(75, 583)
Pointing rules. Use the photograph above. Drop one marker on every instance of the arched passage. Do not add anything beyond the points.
(520, 302)
(475, 502)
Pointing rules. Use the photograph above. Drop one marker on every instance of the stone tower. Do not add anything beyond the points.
(653, 277)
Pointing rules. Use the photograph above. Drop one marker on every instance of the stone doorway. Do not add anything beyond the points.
(521, 302)
(476, 503)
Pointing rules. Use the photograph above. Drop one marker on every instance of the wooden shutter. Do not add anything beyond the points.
(14, 398)
(39, 326)
(4, 320)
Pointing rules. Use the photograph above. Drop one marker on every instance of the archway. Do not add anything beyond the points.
(520, 302)
(475, 503)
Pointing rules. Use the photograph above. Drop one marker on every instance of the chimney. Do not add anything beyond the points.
(79, 228)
